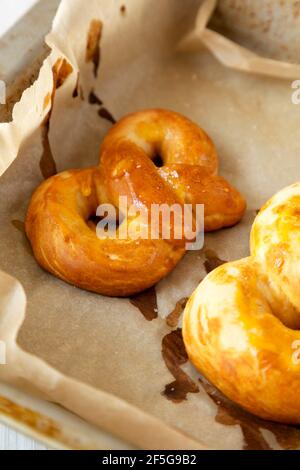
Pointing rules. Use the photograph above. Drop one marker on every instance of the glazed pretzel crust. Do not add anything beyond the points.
(241, 326)
(57, 223)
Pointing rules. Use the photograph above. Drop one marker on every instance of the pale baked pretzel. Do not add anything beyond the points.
(241, 326)
(57, 224)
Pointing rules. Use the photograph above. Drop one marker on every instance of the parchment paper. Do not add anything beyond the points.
(121, 364)
(255, 36)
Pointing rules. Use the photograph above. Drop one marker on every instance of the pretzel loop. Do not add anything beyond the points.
(57, 223)
(241, 326)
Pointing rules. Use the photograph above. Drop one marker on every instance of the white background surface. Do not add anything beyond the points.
(10, 12)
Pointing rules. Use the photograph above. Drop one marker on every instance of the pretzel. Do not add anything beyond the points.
(241, 326)
(57, 223)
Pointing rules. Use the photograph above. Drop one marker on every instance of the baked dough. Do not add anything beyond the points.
(66, 244)
(241, 326)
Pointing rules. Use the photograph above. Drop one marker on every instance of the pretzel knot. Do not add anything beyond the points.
(66, 244)
(241, 326)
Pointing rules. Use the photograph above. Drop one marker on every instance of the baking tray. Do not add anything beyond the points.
(22, 51)
(52, 424)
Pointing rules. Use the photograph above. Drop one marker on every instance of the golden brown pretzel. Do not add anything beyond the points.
(241, 326)
(190, 166)
(57, 221)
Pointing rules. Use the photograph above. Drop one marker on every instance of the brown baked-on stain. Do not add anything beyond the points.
(61, 71)
(175, 356)
(105, 114)
(47, 162)
(94, 99)
(173, 318)
(34, 420)
(78, 90)
(229, 414)
(47, 101)
(20, 226)
(146, 302)
(28, 417)
(123, 9)
(93, 50)
(212, 261)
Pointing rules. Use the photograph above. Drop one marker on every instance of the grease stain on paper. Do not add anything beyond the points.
(47, 162)
(174, 317)
(146, 302)
(94, 99)
(37, 422)
(105, 114)
(212, 261)
(47, 101)
(78, 90)
(93, 49)
(61, 71)
(19, 225)
(175, 356)
(230, 414)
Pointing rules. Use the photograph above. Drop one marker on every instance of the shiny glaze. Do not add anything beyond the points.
(57, 223)
(241, 324)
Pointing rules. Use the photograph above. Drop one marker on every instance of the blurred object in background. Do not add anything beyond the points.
(11, 11)
(269, 28)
